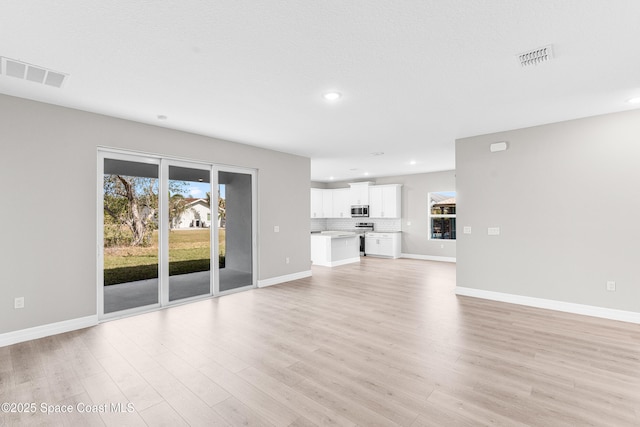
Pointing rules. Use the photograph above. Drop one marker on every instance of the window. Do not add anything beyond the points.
(442, 215)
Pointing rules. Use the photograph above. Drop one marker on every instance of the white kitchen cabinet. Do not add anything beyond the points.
(385, 201)
(383, 244)
(327, 203)
(359, 194)
(336, 249)
(341, 203)
(316, 203)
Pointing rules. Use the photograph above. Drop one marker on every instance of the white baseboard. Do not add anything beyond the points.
(341, 262)
(567, 307)
(281, 279)
(36, 332)
(429, 257)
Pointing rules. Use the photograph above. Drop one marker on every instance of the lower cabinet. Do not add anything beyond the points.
(332, 251)
(382, 244)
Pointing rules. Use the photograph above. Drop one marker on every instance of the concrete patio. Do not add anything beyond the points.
(145, 292)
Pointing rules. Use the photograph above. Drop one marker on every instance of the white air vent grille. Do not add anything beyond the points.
(34, 73)
(536, 56)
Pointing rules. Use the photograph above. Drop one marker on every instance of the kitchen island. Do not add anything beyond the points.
(333, 248)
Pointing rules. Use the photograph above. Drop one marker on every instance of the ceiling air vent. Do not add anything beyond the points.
(33, 73)
(536, 56)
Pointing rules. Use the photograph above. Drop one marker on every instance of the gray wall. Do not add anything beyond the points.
(415, 188)
(566, 197)
(48, 167)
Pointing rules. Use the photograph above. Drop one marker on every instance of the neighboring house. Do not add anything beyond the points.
(197, 214)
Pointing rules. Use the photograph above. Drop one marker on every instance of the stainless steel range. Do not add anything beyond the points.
(361, 228)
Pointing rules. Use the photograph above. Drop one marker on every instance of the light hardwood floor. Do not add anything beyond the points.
(385, 342)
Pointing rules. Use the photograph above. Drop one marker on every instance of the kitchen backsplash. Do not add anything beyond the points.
(318, 224)
(350, 224)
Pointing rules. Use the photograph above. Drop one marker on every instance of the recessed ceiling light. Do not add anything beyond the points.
(366, 174)
(162, 117)
(377, 153)
(635, 100)
(331, 178)
(412, 162)
(332, 96)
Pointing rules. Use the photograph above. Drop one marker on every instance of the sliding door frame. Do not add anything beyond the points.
(164, 243)
(163, 163)
(254, 227)
(129, 157)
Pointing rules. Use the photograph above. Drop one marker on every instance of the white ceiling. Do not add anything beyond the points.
(414, 74)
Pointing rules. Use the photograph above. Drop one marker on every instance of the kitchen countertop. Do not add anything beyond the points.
(347, 233)
(334, 234)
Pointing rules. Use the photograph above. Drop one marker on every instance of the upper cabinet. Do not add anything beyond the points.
(330, 203)
(341, 203)
(316, 203)
(327, 203)
(359, 194)
(384, 201)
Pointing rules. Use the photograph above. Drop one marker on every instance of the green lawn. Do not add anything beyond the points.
(188, 253)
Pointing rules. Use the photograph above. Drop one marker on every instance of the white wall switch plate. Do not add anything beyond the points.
(493, 231)
(611, 286)
(18, 302)
(466, 230)
(276, 228)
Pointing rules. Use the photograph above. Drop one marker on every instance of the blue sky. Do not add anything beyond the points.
(199, 190)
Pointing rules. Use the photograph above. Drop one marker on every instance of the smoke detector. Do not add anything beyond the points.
(34, 73)
(536, 56)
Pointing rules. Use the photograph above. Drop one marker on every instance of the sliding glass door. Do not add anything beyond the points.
(171, 231)
(130, 233)
(189, 237)
(236, 229)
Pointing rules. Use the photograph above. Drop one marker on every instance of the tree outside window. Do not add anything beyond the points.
(442, 215)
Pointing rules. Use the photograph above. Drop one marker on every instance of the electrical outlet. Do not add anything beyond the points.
(18, 302)
(276, 228)
(466, 230)
(287, 260)
(493, 231)
(611, 286)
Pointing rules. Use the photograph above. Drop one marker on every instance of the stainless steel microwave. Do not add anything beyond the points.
(360, 211)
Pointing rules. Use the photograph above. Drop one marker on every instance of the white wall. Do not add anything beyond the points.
(566, 197)
(48, 167)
